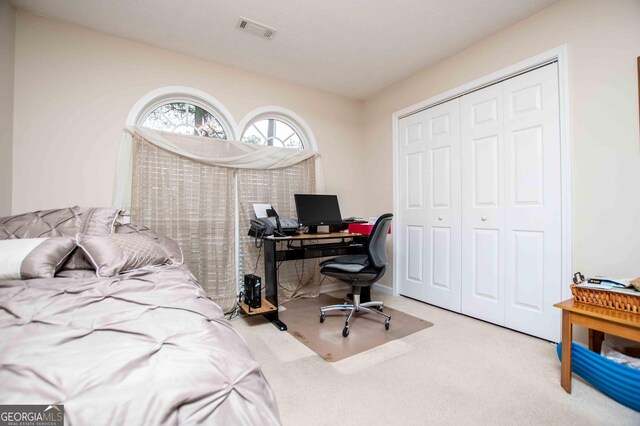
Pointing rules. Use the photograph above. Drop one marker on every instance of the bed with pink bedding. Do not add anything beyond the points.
(145, 346)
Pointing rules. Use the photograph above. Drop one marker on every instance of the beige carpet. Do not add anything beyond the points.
(460, 372)
(367, 331)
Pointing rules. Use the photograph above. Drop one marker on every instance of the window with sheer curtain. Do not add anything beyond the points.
(195, 192)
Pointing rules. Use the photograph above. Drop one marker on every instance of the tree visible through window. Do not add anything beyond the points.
(185, 118)
(272, 132)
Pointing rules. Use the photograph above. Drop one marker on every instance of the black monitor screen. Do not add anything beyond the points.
(314, 210)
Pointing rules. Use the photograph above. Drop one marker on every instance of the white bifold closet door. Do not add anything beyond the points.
(483, 214)
(430, 204)
(511, 229)
(480, 200)
(533, 266)
(412, 181)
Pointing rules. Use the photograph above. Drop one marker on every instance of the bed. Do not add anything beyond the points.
(144, 346)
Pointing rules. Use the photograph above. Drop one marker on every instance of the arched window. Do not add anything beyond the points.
(183, 110)
(274, 130)
(185, 118)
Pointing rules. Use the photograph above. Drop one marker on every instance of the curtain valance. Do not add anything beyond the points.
(211, 151)
(222, 152)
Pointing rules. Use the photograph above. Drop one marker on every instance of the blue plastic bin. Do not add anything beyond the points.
(618, 381)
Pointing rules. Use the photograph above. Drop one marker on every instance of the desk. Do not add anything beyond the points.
(302, 247)
(598, 320)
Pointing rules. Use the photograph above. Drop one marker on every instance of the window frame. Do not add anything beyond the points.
(166, 95)
(286, 116)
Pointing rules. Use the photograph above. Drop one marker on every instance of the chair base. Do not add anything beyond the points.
(354, 307)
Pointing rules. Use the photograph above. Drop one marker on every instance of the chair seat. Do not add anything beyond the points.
(360, 278)
(350, 259)
(345, 267)
(350, 263)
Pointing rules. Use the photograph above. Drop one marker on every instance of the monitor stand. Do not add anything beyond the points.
(313, 229)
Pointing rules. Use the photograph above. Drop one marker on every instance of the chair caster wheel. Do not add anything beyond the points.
(386, 325)
(321, 317)
(345, 331)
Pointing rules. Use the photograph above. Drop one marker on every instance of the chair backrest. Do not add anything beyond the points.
(376, 243)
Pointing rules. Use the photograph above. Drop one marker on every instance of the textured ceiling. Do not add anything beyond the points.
(348, 47)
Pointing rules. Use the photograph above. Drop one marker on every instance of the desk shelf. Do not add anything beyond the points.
(263, 309)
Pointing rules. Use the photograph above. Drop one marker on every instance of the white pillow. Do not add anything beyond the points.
(27, 258)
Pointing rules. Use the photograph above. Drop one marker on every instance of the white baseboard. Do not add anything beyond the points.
(381, 288)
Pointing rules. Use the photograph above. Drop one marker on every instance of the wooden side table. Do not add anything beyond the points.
(598, 320)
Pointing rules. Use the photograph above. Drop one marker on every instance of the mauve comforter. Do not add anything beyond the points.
(145, 347)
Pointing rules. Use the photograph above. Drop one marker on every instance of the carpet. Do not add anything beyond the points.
(366, 331)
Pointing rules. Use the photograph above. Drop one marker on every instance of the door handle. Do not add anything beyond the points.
(483, 218)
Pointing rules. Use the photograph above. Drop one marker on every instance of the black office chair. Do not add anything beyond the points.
(361, 270)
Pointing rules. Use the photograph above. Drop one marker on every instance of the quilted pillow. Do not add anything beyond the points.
(112, 254)
(170, 246)
(27, 258)
(58, 222)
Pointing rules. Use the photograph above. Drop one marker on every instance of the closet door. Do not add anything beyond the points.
(533, 202)
(443, 205)
(412, 163)
(483, 213)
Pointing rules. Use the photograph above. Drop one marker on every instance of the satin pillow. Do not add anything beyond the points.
(96, 221)
(28, 258)
(112, 254)
(170, 246)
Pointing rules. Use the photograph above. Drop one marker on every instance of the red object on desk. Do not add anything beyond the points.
(362, 228)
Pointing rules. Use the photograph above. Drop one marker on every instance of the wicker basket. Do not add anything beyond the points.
(607, 299)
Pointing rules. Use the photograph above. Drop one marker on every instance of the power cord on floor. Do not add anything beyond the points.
(237, 309)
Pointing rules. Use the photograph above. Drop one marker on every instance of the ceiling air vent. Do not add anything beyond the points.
(256, 28)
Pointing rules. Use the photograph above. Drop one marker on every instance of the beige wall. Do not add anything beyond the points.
(75, 87)
(603, 39)
(7, 26)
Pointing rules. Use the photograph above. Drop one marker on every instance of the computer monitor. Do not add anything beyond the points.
(315, 210)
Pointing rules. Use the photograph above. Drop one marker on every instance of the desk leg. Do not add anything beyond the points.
(595, 340)
(567, 339)
(271, 282)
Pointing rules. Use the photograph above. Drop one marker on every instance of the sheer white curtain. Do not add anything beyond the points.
(192, 189)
